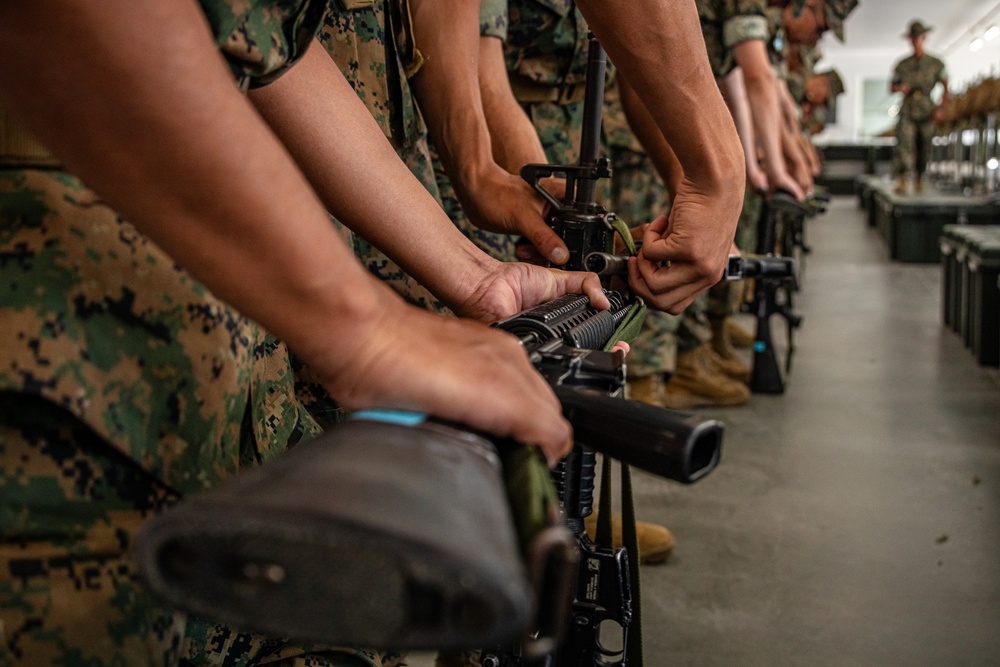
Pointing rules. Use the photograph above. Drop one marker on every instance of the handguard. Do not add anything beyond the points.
(564, 339)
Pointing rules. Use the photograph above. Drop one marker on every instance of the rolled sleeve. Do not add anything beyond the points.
(493, 19)
(742, 28)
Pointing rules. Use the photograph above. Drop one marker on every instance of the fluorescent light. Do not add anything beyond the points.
(992, 33)
(976, 45)
(993, 163)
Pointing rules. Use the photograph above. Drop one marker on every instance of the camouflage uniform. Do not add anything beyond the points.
(915, 127)
(124, 385)
(724, 24)
(371, 43)
(546, 54)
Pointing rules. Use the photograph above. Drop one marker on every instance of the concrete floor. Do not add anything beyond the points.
(854, 520)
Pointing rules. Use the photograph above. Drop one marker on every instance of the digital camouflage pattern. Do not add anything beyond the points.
(546, 42)
(493, 19)
(915, 125)
(262, 38)
(101, 322)
(124, 386)
(354, 33)
(358, 35)
(362, 37)
(726, 23)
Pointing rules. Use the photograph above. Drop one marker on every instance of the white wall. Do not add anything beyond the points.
(856, 65)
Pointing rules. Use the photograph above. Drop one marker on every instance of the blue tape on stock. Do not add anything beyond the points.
(760, 346)
(391, 417)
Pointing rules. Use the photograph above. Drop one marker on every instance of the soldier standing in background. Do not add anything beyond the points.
(916, 77)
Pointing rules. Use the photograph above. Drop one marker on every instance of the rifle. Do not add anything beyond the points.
(564, 340)
(590, 383)
(772, 295)
(391, 530)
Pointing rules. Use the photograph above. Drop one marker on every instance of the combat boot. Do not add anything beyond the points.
(918, 185)
(901, 186)
(696, 384)
(725, 354)
(732, 366)
(647, 389)
(656, 543)
(738, 336)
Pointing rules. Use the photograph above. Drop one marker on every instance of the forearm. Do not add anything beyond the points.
(519, 143)
(210, 184)
(660, 48)
(735, 95)
(354, 169)
(762, 96)
(447, 85)
(648, 132)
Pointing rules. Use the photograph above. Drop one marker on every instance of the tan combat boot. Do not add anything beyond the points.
(918, 185)
(738, 336)
(722, 353)
(697, 384)
(647, 389)
(901, 186)
(656, 543)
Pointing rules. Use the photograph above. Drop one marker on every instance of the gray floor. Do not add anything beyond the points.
(854, 520)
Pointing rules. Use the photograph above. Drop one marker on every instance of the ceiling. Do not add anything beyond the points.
(880, 23)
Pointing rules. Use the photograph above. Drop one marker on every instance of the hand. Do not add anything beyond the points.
(513, 286)
(903, 88)
(803, 177)
(498, 201)
(409, 359)
(783, 181)
(695, 240)
(938, 114)
(757, 180)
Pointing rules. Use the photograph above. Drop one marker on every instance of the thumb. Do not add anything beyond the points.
(544, 238)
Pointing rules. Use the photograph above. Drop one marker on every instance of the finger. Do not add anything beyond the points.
(544, 239)
(589, 284)
(657, 226)
(669, 294)
(621, 346)
(662, 301)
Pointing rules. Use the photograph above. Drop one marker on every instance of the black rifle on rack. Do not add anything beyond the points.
(772, 295)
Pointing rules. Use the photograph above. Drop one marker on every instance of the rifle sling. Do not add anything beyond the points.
(633, 646)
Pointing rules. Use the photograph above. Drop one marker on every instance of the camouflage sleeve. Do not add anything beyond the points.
(897, 75)
(493, 18)
(743, 28)
(260, 40)
(943, 72)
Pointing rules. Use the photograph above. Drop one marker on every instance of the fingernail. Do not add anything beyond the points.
(559, 256)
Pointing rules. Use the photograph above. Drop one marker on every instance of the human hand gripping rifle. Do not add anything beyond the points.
(569, 341)
(394, 529)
